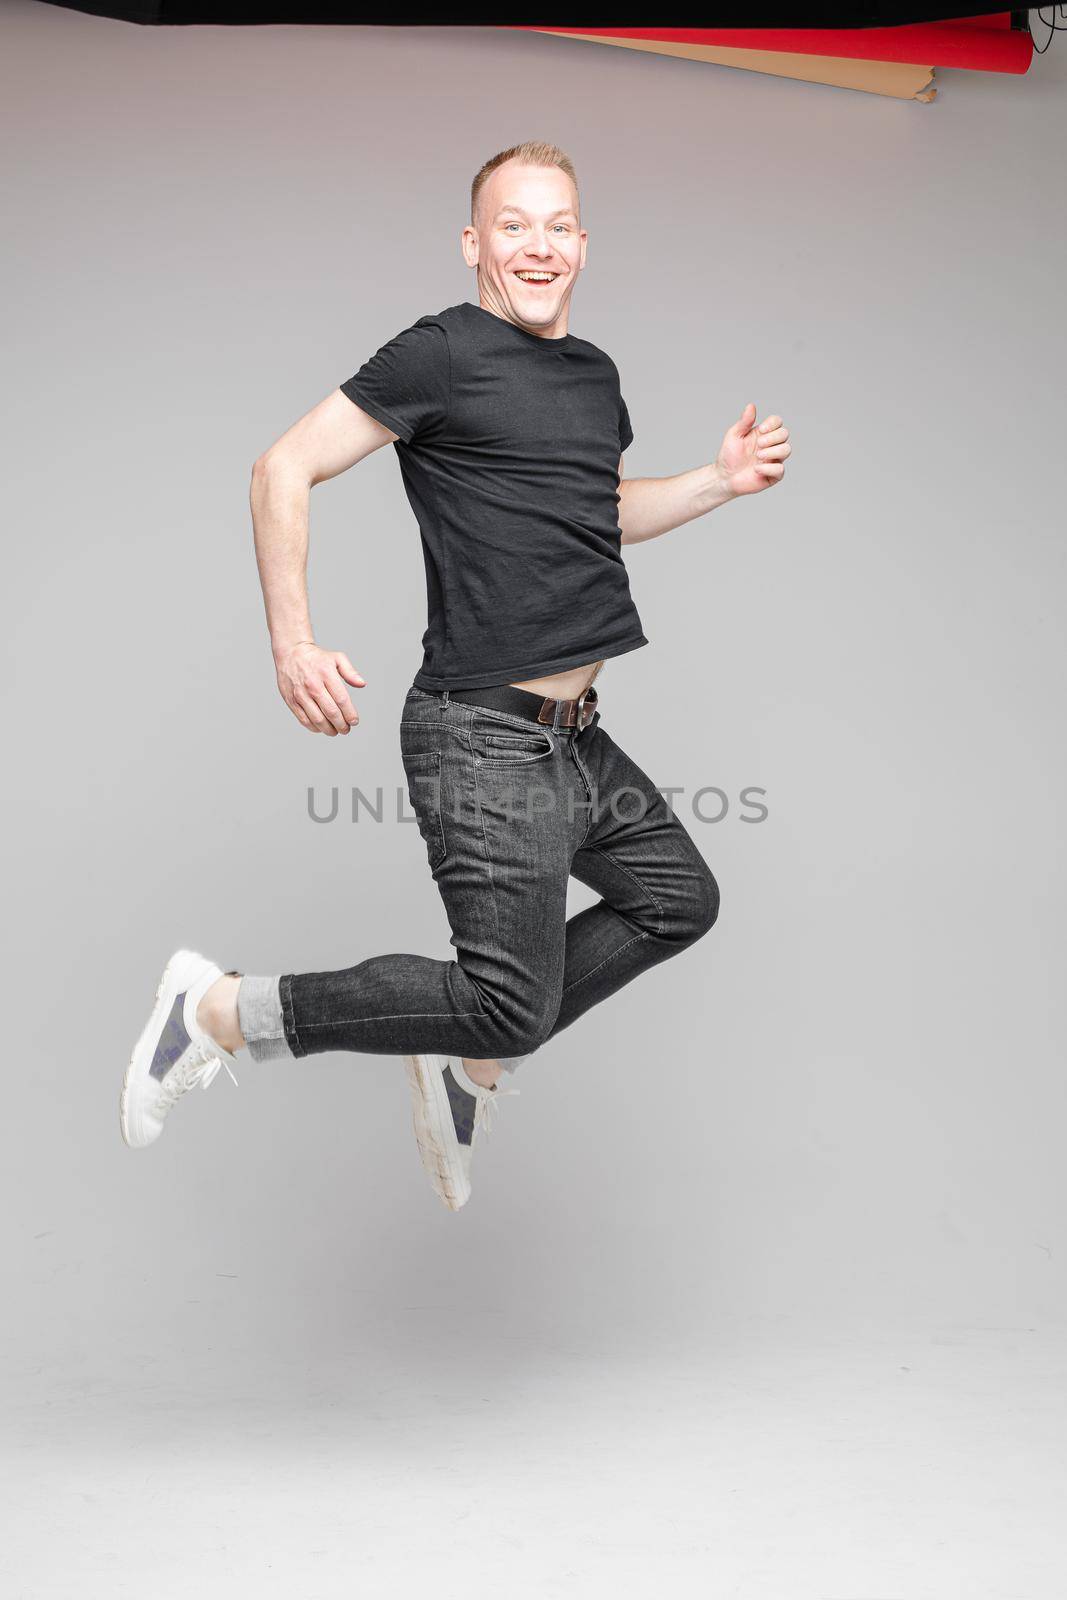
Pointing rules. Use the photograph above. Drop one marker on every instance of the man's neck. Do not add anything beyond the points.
(557, 331)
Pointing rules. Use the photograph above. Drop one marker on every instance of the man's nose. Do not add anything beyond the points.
(540, 246)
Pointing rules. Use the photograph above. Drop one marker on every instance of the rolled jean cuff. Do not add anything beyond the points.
(259, 1011)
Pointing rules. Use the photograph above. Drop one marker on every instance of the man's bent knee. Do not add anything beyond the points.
(700, 911)
(517, 1032)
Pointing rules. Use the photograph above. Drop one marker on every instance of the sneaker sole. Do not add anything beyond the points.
(182, 963)
(430, 1106)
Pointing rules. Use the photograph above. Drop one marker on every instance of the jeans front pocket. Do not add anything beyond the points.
(423, 771)
(501, 744)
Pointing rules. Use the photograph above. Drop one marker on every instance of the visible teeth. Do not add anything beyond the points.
(537, 277)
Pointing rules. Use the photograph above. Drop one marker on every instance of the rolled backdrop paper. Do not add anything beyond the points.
(983, 44)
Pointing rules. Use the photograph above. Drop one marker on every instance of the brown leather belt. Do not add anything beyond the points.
(577, 714)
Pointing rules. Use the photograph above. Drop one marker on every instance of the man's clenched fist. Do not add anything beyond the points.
(312, 684)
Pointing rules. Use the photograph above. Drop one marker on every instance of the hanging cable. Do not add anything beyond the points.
(1053, 26)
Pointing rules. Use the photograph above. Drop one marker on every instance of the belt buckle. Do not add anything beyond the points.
(582, 721)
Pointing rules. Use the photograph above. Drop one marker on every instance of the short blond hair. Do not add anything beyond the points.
(530, 154)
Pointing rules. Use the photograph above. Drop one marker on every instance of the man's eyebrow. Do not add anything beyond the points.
(567, 211)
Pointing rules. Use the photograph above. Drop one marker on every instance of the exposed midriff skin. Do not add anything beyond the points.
(569, 685)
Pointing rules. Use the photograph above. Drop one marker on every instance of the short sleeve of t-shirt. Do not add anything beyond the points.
(406, 384)
(626, 433)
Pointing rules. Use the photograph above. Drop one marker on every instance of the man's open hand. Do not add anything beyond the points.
(752, 458)
(312, 684)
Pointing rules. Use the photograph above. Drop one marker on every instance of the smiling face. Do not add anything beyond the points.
(528, 246)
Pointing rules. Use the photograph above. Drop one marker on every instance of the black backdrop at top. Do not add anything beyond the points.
(589, 14)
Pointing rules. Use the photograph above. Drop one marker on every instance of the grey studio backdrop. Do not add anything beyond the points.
(841, 1111)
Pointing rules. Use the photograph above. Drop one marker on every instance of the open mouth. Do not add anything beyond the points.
(537, 277)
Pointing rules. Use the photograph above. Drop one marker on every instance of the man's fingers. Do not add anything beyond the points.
(341, 698)
(348, 671)
(326, 703)
(312, 682)
(313, 713)
(308, 712)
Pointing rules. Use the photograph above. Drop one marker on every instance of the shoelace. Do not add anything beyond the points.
(200, 1067)
(485, 1111)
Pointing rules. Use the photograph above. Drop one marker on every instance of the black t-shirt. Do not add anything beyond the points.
(509, 447)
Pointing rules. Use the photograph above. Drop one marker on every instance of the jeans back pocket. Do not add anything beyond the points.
(423, 771)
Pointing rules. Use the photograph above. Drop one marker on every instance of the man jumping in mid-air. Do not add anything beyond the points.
(509, 431)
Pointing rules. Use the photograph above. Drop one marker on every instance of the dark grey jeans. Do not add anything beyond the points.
(508, 810)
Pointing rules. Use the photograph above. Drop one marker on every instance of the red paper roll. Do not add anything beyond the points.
(986, 44)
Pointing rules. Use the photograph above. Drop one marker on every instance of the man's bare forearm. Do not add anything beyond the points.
(280, 499)
(651, 506)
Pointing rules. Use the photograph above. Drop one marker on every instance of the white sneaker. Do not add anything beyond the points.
(173, 1053)
(449, 1109)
